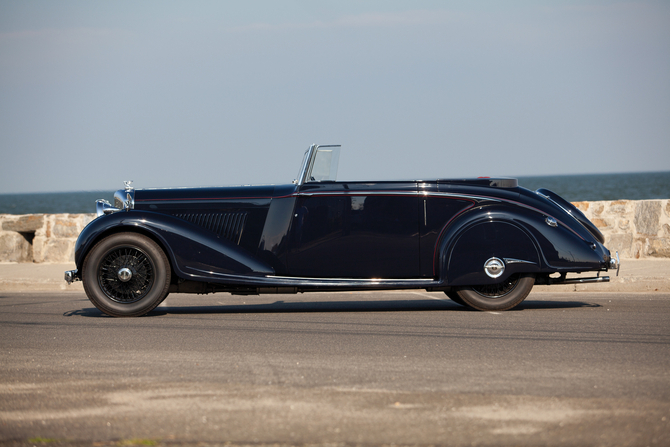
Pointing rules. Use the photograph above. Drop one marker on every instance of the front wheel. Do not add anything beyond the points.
(126, 275)
(501, 296)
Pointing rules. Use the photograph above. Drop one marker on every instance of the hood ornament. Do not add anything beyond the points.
(126, 203)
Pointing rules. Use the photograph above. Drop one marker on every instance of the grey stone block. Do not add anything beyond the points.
(25, 224)
(15, 248)
(59, 250)
(647, 217)
(64, 227)
(659, 247)
(623, 243)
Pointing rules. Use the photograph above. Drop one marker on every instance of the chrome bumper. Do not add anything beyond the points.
(615, 263)
(71, 276)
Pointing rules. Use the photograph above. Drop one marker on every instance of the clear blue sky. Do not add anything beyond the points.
(225, 92)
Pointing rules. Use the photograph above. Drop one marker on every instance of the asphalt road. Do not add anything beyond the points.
(342, 369)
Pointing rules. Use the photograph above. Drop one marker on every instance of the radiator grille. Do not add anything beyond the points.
(227, 225)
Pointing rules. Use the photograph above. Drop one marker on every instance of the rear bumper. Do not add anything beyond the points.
(615, 263)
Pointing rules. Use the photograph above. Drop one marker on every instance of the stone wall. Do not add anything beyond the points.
(40, 237)
(637, 229)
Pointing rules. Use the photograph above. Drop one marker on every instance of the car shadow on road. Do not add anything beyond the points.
(336, 306)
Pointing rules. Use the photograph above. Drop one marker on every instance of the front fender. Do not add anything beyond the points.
(186, 244)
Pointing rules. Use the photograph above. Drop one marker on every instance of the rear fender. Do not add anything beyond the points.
(520, 237)
(482, 239)
(186, 244)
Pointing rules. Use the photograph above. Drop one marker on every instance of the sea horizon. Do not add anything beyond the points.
(646, 185)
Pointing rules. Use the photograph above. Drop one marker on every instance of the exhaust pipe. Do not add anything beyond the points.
(581, 280)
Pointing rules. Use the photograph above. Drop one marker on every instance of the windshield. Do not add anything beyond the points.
(324, 167)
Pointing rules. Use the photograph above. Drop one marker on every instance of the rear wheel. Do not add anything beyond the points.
(501, 296)
(126, 275)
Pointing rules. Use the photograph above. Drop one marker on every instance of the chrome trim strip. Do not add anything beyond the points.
(560, 207)
(225, 275)
(465, 196)
(556, 203)
(402, 193)
(362, 280)
(516, 261)
(305, 281)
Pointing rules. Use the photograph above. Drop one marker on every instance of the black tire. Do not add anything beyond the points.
(453, 296)
(141, 258)
(501, 296)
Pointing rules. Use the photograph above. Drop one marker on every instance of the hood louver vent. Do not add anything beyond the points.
(226, 225)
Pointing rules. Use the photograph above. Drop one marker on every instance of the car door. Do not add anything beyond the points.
(355, 230)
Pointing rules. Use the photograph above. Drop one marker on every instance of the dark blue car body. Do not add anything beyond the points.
(316, 235)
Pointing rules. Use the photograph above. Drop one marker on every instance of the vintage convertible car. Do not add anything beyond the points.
(484, 241)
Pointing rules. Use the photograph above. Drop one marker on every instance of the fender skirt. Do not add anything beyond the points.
(486, 240)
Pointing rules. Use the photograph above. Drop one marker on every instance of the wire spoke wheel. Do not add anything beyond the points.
(126, 259)
(126, 275)
(501, 296)
(498, 290)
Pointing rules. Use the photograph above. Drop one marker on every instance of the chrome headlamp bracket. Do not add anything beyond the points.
(104, 207)
(124, 200)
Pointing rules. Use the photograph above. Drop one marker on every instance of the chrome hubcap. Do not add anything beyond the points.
(494, 267)
(125, 274)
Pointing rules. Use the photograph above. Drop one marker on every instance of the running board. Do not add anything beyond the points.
(304, 283)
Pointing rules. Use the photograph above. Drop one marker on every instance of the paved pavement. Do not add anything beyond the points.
(336, 369)
(636, 275)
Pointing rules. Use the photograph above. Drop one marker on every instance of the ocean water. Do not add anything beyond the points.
(574, 188)
(594, 187)
(52, 202)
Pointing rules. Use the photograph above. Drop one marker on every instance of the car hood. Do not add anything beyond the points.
(204, 195)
